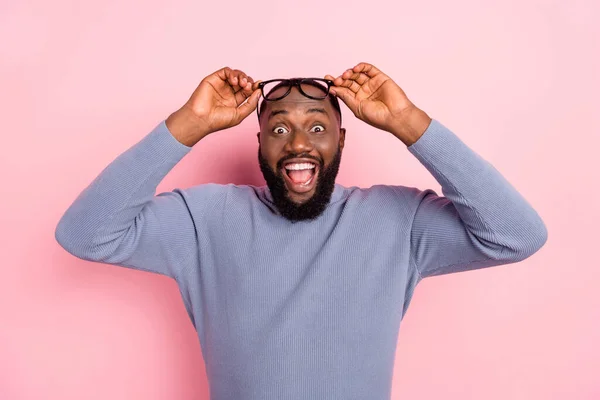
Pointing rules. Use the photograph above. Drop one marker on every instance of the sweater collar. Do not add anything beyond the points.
(337, 194)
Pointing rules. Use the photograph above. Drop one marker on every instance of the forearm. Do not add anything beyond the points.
(410, 127)
(490, 208)
(186, 127)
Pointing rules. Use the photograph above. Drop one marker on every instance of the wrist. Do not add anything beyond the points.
(186, 127)
(410, 127)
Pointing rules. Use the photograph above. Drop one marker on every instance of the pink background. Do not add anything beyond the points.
(82, 81)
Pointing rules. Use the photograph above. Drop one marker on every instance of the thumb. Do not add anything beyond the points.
(347, 97)
(248, 106)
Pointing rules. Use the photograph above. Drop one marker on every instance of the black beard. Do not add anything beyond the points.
(314, 206)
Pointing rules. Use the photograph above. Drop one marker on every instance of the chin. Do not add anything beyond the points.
(299, 205)
(299, 198)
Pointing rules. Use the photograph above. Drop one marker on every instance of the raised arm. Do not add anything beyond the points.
(481, 220)
(118, 220)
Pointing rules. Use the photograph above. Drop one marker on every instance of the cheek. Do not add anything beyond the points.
(270, 155)
(327, 150)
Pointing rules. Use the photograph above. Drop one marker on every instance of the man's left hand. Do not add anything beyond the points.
(376, 99)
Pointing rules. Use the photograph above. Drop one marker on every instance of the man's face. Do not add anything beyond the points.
(300, 147)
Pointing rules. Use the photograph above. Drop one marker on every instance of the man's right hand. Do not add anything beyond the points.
(219, 102)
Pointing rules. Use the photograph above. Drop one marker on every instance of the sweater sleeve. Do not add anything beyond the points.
(118, 220)
(481, 220)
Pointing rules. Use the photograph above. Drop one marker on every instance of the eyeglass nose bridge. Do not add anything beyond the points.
(298, 83)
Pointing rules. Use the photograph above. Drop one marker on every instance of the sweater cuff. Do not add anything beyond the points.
(438, 145)
(163, 143)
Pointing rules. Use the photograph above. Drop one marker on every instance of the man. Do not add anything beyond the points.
(297, 288)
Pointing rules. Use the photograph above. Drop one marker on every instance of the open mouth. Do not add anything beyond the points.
(300, 177)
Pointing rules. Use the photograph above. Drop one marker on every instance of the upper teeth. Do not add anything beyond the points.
(300, 166)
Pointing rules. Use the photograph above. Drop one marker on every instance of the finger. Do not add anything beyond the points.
(233, 78)
(331, 78)
(358, 77)
(241, 85)
(220, 81)
(347, 96)
(255, 85)
(337, 81)
(243, 93)
(250, 105)
(350, 84)
(222, 74)
(368, 69)
(232, 81)
(243, 78)
(238, 79)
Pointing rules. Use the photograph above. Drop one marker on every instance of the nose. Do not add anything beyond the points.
(299, 142)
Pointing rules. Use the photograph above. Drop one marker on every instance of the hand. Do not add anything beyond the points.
(376, 99)
(222, 100)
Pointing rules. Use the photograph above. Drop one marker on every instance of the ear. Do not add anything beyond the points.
(342, 137)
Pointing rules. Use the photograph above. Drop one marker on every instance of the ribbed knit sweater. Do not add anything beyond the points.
(306, 310)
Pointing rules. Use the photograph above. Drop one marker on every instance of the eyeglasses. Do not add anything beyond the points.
(270, 89)
(304, 84)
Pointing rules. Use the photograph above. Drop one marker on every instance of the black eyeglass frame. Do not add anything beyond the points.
(295, 82)
(290, 83)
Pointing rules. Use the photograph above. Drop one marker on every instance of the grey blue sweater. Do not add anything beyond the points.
(305, 310)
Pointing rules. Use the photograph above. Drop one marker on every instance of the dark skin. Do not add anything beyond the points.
(226, 97)
(297, 126)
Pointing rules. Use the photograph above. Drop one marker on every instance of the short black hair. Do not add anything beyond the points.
(333, 99)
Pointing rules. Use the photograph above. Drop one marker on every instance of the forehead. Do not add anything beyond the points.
(297, 102)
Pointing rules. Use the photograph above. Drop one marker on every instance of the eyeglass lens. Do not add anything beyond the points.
(309, 87)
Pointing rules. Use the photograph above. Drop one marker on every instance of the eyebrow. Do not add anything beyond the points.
(310, 110)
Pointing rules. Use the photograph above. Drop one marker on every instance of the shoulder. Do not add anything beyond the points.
(211, 192)
(384, 193)
(390, 207)
(210, 202)
(387, 201)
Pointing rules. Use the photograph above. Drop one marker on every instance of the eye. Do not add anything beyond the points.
(280, 130)
(317, 128)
